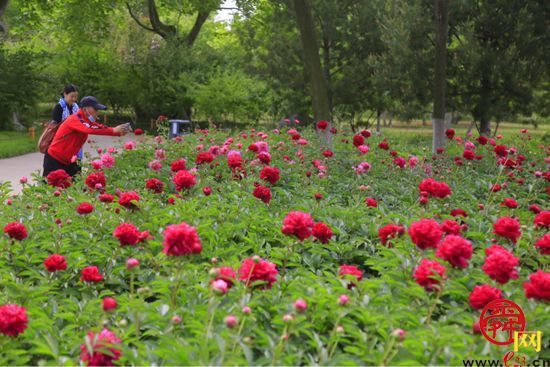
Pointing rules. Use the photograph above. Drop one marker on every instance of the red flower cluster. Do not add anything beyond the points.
(59, 178)
(508, 228)
(234, 160)
(94, 179)
(271, 174)
(500, 264)
(435, 188)
(426, 233)
(509, 203)
(390, 231)
(85, 208)
(178, 165)
(456, 250)
(429, 274)
(263, 193)
(322, 232)
(384, 145)
(100, 349)
(138, 131)
(155, 185)
(350, 271)
(91, 274)
(129, 199)
(371, 202)
(13, 320)
(184, 180)
(106, 198)
(538, 286)
(543, 244)
(358, 140)
(450, 133)
(181, 239)
(457, 212)
(468, 154)
(55, 263)
(128, 234)
(16, 230)
(451, 227)
(204, 157)
(501, 150)
(322, 125)
(256, 269)
(226, 274)
(543, 219)
(482, 295)
(298, 224)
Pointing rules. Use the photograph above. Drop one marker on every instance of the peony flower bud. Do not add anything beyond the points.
(176, 319)
(109, 304)
(343, 300)
(300, 305)
(231, 321)
(131, 263)
(399, 334)
(247, 310)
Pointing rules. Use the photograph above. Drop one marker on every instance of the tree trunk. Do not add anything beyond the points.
(3, 6)
(378, 122)
(441, 8)
(319, 92)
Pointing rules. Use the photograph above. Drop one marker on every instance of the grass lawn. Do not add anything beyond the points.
(13, 143)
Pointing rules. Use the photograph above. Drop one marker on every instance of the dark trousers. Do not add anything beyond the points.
(51, 164)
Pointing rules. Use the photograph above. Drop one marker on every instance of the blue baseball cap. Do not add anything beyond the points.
(91, 101)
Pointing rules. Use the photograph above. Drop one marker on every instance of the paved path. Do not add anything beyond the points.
(12, 169)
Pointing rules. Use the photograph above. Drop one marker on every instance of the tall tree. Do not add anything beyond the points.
(441, 11)
(170, 32)
(318, 84)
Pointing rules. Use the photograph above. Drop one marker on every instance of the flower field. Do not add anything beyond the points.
(263, 248)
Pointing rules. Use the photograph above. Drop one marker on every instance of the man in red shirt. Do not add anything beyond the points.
(73, 133)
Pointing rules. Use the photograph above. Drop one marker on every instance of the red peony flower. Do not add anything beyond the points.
(538, 286)
(322, 232)
(128, 234)
(322, 125)
(482, 295)
(271, 174)
(59, 178)
(535, 208)
(106, 198)
(204, 157)
(298, 224)
(457, 212)
(129, 199)
(508, 228)
(543, 244)
(55, 263)
(500, 265)
(178, 165)
(264, 157)
(456, 250)
(100, 349)
(371, 202)
(13, 320)
(155, 185)
(234, 160)
(181, 239)
(91, 274)
(366, 133)
(451, 227)
(16, 230)
(435, 188)
(468, 155)
(350, 271)
(184, 180)
(138, 131)
(256, 269)
(429, 274)
(263, 193)
(226, 274)
(390, 231)
(501, 151)
(384, 145)
(543, 219)
(510, 203)
(328, 153)
(109, 304)
(482, 140)
(358, 140)
(85, 208)
(426, 233)
(94, 179)
(207, 190)
(450, 133)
